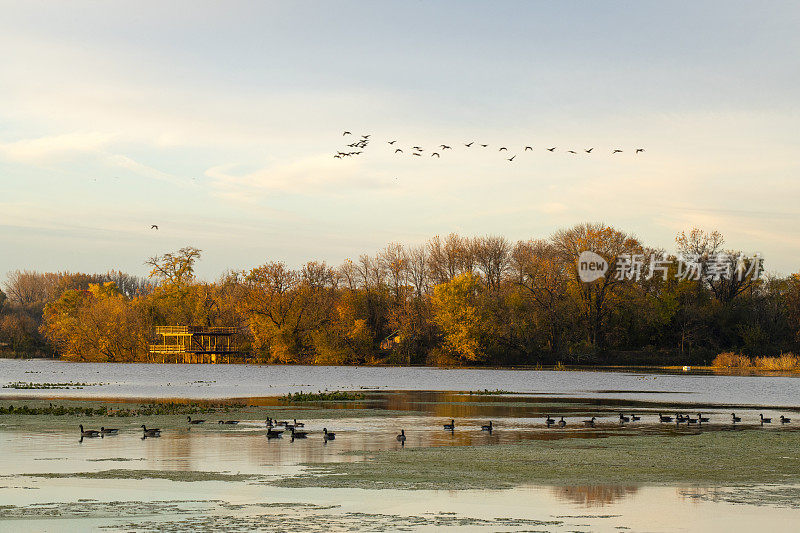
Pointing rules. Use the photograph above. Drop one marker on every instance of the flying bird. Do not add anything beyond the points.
(416, 154)
(639, 150)
(365, 137)
(470, 144)
(398, 150)
(589, 151)
(528, 148)
(571, 151)
(153, 226)
(484, 145)
(551, 149)
(445, 147)
(435, 154)
(346, 133)
(617, 152)
(392, 142)
(337, 156)
(503, 148)
(512, 157)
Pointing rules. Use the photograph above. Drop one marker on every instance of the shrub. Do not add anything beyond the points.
(731, 360)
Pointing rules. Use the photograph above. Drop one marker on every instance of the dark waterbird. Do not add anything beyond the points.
(487, 427)
(401, 438)
(151, 432)
(89, 432)
(195, 422)
(785, 420)
(299, 434)
(549, 421)
(108, 431)
(664, 418)
(736, 418)
(589, 423)
(451, 426)
(228, 422)
(562, 423)
(274, 433)
(702, 419)
(635, 418)
(765, 420)
(623, 418)
(328, 435)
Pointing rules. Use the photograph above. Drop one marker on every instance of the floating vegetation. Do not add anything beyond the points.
(487, 392)
(704, 458)
(152, 409)
(172, 475)
(24, 385)
(320, 396)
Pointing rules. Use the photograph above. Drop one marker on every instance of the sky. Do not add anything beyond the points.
(218, 121)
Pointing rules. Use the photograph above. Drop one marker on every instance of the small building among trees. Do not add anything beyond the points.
(196, 344)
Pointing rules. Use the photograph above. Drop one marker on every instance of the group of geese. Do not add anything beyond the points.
(417, 151)
(294, 427)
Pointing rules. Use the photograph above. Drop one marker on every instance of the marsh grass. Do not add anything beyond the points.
(783, 362)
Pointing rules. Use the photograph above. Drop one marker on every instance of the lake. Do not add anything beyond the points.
(523, 476)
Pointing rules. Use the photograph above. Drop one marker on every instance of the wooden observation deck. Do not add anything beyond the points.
(195, 344)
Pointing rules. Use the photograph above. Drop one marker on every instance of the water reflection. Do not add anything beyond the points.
(594, 495)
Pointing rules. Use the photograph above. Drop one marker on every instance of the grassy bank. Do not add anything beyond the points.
(741, 457)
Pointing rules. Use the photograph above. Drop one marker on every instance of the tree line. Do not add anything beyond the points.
(450, 301)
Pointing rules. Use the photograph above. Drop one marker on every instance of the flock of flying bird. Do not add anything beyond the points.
(357, 147)
(296, 431)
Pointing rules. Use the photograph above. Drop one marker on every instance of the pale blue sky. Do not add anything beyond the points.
(217, 121)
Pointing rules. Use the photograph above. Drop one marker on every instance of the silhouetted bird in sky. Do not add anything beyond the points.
(398, 150)
(435, 154)
(470, 144)
(445, 147)
(512, 157)
(153, 226)
(528, 148)
(337, 156)
(392, 142)
(639, 150)
(551, 149)
(589, 151)
(503, 148)
(484, 145)
(571, 151)
(617, 152)
(417, 148)
(365, 136)
(346, 133)
(416, 153)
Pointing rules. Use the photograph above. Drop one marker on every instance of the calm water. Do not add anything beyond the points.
(240, 381)
(425, 402)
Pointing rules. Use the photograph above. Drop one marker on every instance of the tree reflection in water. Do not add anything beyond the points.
(594, 495)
